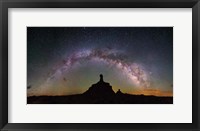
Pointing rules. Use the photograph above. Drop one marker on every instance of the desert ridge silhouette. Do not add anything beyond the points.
(100, 93)
(100, 89)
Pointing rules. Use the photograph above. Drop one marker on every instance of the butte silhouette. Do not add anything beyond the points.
(100, 89)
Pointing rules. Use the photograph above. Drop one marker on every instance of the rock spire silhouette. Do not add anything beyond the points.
(100, 89)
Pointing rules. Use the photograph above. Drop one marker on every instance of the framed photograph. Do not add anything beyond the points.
(105, 65)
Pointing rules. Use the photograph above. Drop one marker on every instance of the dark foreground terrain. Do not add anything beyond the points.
(84, 99)
(100, 93)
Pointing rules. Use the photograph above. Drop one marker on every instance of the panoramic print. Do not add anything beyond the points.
(99, 65)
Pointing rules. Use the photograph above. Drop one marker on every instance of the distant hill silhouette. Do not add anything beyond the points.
(119, 92)
(100, 93)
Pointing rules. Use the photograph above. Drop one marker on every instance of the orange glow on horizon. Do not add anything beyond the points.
(154, 92)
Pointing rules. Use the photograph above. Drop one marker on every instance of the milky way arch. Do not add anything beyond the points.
(110, 56)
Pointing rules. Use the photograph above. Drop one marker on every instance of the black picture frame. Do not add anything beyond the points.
(5, 4)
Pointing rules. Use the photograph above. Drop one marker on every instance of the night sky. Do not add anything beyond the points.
(68, 60)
